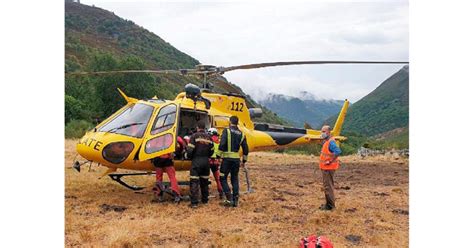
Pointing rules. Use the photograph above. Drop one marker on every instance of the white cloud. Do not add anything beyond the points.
(235, 33)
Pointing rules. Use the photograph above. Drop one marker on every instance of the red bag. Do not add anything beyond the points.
(315, 242)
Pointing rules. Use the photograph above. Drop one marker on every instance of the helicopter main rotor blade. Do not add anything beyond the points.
(261, 65)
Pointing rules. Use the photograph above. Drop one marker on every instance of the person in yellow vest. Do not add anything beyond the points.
(328, 163)
(232, 139)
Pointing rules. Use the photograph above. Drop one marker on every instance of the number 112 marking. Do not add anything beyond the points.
(236, 105)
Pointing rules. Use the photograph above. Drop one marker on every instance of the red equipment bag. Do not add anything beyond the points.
(315, 242)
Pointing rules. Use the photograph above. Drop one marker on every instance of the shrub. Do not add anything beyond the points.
(74, 109)
(77, 128)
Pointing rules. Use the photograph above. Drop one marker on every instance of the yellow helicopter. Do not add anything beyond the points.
(144, 129)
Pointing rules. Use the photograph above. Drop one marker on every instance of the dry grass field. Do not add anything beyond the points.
(372, 207)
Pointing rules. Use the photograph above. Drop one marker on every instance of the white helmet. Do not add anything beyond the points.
(212, 131)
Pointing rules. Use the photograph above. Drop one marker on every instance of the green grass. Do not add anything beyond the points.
(398, 141)
(354, 142)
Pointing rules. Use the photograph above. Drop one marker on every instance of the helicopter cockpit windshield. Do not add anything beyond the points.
(131, 122)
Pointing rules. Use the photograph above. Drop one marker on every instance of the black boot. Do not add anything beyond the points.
(204, 183)
(176, 197)
(235, 202)
(194, 188)
(325, 207)
(158, 197)
(228, 201)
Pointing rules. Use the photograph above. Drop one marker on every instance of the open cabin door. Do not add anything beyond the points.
(160, 139)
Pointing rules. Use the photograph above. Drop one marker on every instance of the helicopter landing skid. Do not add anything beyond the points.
(166, 187)
(118, 178)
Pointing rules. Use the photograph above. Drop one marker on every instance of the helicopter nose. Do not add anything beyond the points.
(89, 147)
(105, 148)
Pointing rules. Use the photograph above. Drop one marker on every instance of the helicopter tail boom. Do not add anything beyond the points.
(271, 136)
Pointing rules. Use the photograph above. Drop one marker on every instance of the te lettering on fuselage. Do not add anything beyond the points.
(91, 142)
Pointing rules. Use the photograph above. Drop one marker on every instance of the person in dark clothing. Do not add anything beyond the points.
(200, 149)
(231, 141)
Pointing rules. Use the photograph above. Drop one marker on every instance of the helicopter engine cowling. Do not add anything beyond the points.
(255, 112)
(192, 91)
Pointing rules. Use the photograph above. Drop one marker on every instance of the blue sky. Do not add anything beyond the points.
(232, 33)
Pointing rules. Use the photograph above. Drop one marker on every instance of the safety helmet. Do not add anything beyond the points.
(186, 138)
(212, 131)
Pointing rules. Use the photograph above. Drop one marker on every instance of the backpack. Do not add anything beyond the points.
(315, 242)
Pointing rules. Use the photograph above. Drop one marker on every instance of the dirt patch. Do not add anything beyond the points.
(107, 208)
(371, 205)
(381, 194)
(401, 211)
(355, 239)
(350, 210)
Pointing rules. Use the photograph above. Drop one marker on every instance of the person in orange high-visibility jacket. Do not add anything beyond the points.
(328, 163)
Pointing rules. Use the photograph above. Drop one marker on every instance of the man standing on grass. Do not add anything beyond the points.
(200, 149)
(232, 139)
(328, 163)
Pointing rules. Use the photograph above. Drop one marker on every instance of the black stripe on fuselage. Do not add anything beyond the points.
(282, 138)
(266, 127)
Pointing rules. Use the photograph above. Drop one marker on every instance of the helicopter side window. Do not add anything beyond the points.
(131, 122)
(188, 119)
(165, 119)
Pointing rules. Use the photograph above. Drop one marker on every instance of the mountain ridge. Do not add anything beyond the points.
(102, 29)
(383, 109)
(297, 111)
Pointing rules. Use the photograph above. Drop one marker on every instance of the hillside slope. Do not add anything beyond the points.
(97, 40)
(91, 27)
(384, 109)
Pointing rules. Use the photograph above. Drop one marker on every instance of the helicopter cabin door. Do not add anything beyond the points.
(161, 137)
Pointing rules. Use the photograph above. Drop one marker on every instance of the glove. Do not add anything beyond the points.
(244, 159)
